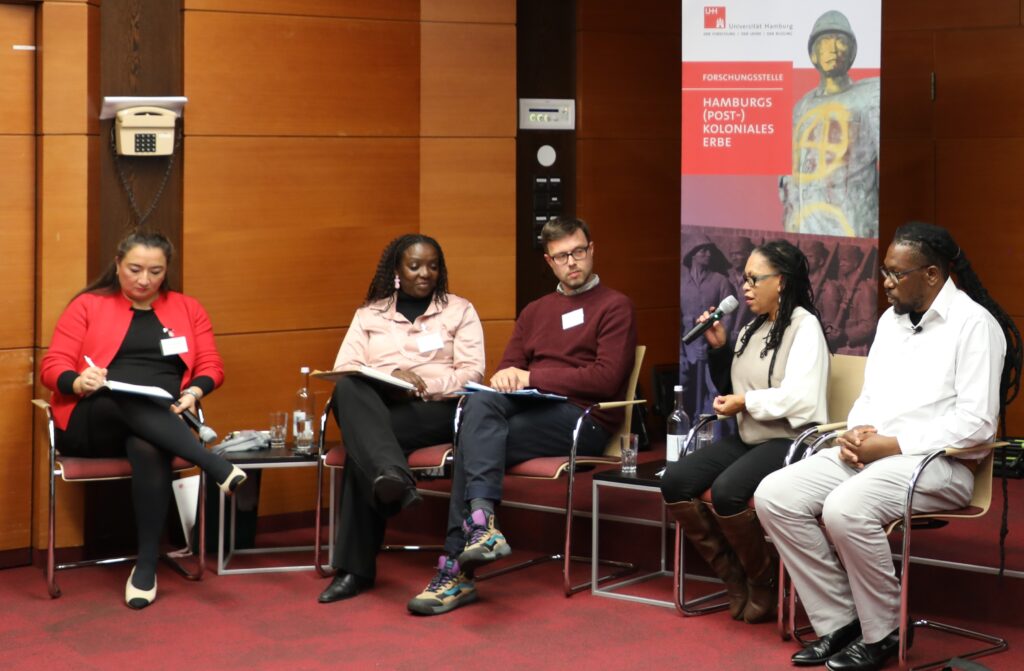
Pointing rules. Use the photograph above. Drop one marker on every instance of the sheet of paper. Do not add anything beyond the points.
(364, 371)
(141, 389)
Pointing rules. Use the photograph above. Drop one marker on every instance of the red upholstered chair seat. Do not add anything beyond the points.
(426, 461)
(434, 456)
(423, 458)
(553, 467)
(87, 468)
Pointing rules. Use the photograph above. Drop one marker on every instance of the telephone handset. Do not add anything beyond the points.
(145, 131)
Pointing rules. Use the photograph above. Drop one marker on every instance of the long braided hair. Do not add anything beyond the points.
(383, 283)
(789, 262)
(937, 247)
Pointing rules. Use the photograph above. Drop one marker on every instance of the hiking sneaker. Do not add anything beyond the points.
(484, 543)
(448, 590)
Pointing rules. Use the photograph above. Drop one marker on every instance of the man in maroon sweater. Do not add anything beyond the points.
(578, 342)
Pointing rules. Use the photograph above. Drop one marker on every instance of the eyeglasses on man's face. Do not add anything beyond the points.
(752, 280)
(895, 276)
(578, 254)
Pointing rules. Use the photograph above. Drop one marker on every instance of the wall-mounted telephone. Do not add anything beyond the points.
(145, 131)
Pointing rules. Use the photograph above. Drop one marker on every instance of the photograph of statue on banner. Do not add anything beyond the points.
(833, 189)
(842, 273)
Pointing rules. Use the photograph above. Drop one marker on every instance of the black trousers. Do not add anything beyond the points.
(730, 467)
(108, 424)
(499, 431)
(379, 430)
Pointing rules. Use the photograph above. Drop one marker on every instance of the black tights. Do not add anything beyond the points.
(149, 435)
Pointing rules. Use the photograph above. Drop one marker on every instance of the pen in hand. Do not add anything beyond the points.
(88, 382)
(92, 364)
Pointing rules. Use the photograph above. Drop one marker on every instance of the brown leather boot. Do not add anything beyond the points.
(759, 561)
(699, 526)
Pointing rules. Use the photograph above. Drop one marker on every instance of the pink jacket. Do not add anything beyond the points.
(444, 346)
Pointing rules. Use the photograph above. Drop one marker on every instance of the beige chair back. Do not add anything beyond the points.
(845, 380)
(982, 497)
(612, 449)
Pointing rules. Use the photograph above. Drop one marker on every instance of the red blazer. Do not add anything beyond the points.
(95, 325)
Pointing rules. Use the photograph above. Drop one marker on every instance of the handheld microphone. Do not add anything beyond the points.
(207, 434)
(727, 305)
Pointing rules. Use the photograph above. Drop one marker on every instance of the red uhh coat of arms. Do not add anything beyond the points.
(714, 17)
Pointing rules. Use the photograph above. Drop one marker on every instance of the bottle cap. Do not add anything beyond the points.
(304, 369)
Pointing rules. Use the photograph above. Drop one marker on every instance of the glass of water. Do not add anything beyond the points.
(627, 450)
(278, 428)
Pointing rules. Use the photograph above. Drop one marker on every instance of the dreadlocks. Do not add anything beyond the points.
(383, 283)
(937, 248)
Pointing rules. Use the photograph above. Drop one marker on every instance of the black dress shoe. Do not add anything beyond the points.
(393, 487)
(819, 652)
(861, 656)
(344, 586)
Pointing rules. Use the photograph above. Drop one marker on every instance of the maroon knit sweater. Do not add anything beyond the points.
(589, 362)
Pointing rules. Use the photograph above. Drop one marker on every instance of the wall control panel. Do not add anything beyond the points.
(547, 114)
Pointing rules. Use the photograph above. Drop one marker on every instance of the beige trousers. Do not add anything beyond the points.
(858, 578)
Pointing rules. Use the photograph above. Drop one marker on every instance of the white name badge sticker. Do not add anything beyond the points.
(571, 319)
(171, 346)
(429, 342)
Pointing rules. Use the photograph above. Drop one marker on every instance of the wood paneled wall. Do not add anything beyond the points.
(954, 160)
(317, 131)
(627, 159)
(67, 183)
(17, 277)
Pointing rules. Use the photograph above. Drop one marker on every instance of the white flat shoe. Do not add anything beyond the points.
(235, 479)
(136, 598)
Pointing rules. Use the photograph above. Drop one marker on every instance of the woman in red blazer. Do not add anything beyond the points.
(128, 326)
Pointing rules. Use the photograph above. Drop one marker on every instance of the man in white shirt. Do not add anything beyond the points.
(932, 381)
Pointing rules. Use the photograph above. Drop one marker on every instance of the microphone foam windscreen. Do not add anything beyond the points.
(728, 304)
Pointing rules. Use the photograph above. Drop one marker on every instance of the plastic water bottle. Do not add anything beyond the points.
(677, 427)
(302, 417)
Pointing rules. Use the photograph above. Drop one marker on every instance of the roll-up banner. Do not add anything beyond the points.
(780, 139)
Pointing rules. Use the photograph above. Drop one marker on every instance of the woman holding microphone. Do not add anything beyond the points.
(411, 328)
(773, 379)
(129, 326)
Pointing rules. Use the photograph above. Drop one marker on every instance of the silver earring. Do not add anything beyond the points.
(398, 284)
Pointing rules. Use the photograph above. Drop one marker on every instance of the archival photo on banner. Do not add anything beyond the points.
(780, 139)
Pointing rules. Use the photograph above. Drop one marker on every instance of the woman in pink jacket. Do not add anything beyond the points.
(128, 326)
(412, 328)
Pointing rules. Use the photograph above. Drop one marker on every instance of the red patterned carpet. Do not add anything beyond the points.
(272, 621)
(522, 620)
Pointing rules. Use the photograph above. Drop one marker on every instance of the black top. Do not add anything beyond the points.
(140, 359)
(411, 307)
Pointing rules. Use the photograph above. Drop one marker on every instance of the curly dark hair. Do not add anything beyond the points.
(789, 262)
(107, 282)
(937, 248)
(383, 283)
